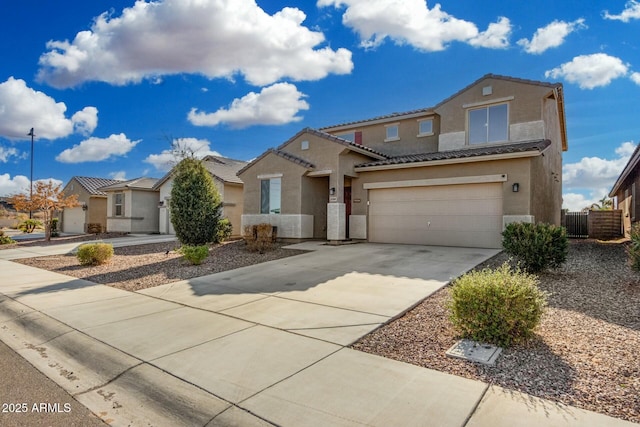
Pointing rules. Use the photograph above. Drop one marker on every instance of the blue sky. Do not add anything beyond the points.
(108, 85)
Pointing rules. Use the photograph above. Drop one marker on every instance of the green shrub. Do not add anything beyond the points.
(194, 254)
(501, 306)
(633, 250)
(5, 240)
(95, 253)
(536, 246)
(195, 203)
(28, 225)
(224, 230)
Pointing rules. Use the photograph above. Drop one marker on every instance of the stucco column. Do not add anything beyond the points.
(336, 223)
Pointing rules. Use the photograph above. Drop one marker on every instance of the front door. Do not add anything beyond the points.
(347, 208)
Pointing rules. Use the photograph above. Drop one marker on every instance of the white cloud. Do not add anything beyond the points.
(22, 108)
(209, 37)
(593, 176)
(119, 175)
(168, 158)
(590, 71)
(631, 11)
(274, 105)
(635, 77)
(19, 184)
(552, 35)
(6, 153)
(495, 37)
(85, 121)
(97, 149)
(412, 22)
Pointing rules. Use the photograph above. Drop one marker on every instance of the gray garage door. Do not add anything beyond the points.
(467, 215)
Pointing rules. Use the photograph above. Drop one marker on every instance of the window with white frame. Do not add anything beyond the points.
(489, 124)
(270, 195)
(425, 127)
(118, 204)
(393, 132)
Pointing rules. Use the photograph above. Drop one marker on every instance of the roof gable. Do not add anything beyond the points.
(283, 154)
(93, 185)
(142, 183)
(223, 168)
(332, 138)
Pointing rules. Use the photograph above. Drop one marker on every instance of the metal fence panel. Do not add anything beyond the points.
(577, 224)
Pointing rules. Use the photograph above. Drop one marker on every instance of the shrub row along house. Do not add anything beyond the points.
(453, 174)
(141, 205)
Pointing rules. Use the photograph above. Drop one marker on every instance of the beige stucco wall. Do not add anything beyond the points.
(233, 203)
(525, 107)
(141, 213)
(314, 202)
(546, 171)
(97, 211)
(373, 136)
(517, 170)
(273, 164)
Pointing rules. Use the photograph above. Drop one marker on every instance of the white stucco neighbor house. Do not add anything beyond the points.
(223, 170)
(132, 206)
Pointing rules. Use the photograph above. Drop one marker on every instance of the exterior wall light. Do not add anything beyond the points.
(332, 191)
(515, 187)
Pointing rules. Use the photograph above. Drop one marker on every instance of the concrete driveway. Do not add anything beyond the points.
(261, 345)
(336, 294)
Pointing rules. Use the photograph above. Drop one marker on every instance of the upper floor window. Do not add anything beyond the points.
(355, 137)
(393, 132)
(270, 195)
(489, 124)
(425, 127)
(118, 204)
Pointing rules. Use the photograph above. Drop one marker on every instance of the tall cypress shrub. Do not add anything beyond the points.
(195, 203)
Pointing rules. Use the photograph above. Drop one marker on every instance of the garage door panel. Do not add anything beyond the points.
(73, 220)
(443, 207)
(455, 215)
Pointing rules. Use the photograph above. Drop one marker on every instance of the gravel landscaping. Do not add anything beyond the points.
(143, 266)
(585, 352)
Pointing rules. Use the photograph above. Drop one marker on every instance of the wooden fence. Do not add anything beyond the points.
(606, 224)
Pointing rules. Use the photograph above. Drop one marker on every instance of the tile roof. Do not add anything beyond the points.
(288, 156)
(385, 117)
(224, 168)
(295, 159)
(92, 185)
(142, 183)
(516, 147)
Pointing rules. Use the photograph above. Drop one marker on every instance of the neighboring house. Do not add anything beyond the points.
(451, 175)
(624, 191)
(223, 171)
(93, 205)
(132, 206)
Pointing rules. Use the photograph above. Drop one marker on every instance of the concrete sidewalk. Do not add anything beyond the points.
(66, 248)
(262, 345)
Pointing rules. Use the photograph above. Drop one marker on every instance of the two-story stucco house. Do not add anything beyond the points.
(453, 174)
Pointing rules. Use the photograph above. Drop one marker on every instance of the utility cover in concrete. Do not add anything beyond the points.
(475, 352)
